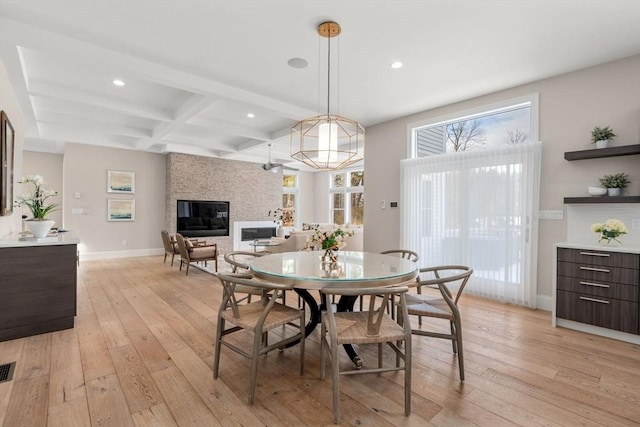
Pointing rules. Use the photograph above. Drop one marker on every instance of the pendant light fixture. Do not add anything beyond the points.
(327, 141)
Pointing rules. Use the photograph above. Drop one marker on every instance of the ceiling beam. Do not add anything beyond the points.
(44, 89)
(229, 128)
(12, 61)
(189, 109)
(95, 55)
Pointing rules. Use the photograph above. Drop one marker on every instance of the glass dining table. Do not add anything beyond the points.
(306, 271)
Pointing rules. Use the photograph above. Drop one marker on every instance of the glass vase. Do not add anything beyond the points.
(329, 255)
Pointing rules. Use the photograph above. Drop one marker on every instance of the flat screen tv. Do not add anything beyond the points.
(203, 218)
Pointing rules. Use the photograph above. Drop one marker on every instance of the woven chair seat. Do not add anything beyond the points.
(352, 329)
(243, 289)
(431, 308)
(250, 313)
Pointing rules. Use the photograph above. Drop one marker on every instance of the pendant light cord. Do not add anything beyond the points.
(328, 73)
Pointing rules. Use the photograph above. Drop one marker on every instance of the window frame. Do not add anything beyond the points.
(346, 190)
(532, 99)
(294, 191)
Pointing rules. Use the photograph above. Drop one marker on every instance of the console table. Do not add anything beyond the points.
(37, 285)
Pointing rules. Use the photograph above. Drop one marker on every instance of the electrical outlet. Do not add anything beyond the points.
(124, 243)
(635, 223)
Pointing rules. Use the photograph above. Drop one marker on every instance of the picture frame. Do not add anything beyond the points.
(7, 148)
(121, 182)
(120, 210)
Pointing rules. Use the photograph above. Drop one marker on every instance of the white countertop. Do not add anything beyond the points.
(597, 247)
(18, 240)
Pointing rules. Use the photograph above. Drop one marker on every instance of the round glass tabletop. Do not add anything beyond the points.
(306, 269)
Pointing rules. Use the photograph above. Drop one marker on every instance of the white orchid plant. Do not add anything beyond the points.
(38, 201)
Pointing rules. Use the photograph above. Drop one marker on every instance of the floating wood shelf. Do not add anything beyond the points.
(625, 150)
(602, 199)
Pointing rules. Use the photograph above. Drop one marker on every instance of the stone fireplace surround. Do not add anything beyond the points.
(251, 191)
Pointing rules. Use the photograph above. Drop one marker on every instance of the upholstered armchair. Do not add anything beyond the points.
(169, 246)
(190, 252)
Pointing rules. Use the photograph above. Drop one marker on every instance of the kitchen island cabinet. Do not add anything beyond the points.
(38, 286)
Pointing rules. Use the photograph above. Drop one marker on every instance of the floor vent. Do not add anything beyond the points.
(6, 372)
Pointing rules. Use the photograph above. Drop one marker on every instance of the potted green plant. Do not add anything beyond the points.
(602, 136)
(615, 183)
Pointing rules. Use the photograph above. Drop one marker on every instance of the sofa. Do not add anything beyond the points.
(298, 239)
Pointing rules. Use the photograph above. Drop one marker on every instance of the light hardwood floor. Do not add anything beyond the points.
(142, 349)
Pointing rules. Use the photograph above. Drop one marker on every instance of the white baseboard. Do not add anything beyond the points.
(90, 256)
(544, 302)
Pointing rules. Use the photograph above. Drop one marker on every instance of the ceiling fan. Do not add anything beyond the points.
(269, 166)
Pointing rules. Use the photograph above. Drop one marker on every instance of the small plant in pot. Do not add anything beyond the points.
(615, 183)
(602, 136)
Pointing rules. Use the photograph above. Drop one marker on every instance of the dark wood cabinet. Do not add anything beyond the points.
(38, 289)
(600, 288)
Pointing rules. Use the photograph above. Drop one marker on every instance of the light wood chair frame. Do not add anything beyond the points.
(257, 317)
(402, 253)
(230, 258)
(414, 303)
(238, 267)
(378, 329)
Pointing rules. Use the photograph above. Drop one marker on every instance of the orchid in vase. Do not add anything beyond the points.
(38, 201)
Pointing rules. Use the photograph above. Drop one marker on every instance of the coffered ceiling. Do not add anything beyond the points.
(193, 70)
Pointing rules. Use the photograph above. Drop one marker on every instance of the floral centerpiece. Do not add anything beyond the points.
(610, 230)
(39, 203)
(331, 240)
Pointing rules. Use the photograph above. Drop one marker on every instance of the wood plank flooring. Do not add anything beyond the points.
(142, 350)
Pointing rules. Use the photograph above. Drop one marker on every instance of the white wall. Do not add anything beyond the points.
(85, 172)
(306, 198)
(9, 104)
(49, 166)
(570, 106)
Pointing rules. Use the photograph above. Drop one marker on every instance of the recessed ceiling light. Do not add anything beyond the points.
(251, 115)
(118, 82)
(396, 65)
(297, 63)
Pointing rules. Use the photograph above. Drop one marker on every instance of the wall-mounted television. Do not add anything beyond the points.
(203, 218)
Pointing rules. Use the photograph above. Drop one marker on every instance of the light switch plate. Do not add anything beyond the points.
(550, 214)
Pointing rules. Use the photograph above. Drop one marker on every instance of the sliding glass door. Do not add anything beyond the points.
(477, 208)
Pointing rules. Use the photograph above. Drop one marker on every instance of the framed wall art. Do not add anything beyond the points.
(121, 210)
(121, 182)
(7, 141)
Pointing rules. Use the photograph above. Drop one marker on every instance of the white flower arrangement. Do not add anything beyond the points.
(331, 239)
(610, 230)
(37, 200)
